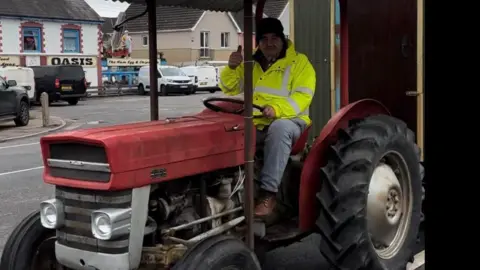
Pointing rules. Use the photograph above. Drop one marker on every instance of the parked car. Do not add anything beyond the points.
(14, 103)
(171, 79)
(63, 82)
(24, 77)
(206, 77)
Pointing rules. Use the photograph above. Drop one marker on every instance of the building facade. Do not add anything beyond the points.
(185, 35)
(275, 9)
(34, 36)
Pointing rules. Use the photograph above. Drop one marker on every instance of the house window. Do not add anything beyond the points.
(32, 39)
(145, 40)
(204, 44)
(225, 38)
(71, 40)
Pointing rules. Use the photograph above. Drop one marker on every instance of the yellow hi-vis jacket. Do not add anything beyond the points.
(287, 86)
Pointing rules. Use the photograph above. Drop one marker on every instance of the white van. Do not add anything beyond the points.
(171, 79)
(24, 77)
(206, 77)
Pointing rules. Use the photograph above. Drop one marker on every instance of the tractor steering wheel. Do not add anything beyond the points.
(208, 103)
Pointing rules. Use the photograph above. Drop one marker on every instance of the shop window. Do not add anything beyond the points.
(32, 39)
(71, 40)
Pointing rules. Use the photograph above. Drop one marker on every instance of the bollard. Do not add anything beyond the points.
(45, 109)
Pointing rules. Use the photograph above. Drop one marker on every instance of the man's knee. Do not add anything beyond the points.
(283, 129)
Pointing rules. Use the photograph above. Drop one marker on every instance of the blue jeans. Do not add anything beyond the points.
(277, 141)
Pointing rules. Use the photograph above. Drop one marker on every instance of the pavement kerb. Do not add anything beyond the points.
(62, 125)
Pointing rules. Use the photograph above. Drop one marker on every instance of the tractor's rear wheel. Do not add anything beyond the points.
(219, 253)
(371, 196)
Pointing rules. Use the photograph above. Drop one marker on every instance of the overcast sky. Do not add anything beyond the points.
(107, 8)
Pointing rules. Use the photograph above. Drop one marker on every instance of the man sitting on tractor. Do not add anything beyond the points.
(284, 85)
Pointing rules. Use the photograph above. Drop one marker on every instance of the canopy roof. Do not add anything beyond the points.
(214, 5)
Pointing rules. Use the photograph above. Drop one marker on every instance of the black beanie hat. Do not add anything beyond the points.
(267, 26)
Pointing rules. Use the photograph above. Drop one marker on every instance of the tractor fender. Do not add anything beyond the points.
(316, 158)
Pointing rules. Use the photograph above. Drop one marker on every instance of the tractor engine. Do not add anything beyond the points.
(180, 213)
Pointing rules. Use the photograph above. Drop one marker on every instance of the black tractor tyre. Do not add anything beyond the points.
(24, 249)
(72, 101)
(216, 253)
(346, 239)
(23, 117)
(141, 90)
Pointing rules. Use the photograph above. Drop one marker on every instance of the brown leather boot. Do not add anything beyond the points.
(265, 204)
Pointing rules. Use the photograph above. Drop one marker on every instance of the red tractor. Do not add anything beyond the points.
(178, 193)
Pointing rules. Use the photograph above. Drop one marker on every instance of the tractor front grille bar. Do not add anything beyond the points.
(79, 204)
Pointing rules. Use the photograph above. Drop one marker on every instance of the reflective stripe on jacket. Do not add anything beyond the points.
(288, 86)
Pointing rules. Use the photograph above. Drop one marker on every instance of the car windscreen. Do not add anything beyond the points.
(172, 72)
(71, 73)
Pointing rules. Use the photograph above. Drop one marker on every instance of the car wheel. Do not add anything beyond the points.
(73, 101)
(23, 116)
(141, 90)
(163, 90)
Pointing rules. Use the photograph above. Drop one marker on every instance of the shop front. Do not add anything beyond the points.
(88, 63)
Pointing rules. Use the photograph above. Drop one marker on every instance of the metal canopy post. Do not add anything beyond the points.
(152, 48)
(249, 129)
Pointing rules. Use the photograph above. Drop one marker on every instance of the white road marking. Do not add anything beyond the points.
(20, 171)
(18, 145)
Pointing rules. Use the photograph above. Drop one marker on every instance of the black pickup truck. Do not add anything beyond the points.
(63, 82)
(14, 103)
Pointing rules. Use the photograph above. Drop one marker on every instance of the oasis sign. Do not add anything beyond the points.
(84, 61)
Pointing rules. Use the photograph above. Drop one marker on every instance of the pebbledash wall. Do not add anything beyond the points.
(56, 42)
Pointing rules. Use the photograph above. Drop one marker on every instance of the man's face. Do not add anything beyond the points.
(271, 46)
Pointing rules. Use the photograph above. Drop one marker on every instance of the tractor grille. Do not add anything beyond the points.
(79, 204)
(65, 155)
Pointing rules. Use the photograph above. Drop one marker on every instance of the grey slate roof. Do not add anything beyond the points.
(216, 5)
(271, 9)
(168, 18)
(107, 27)
(77, 10)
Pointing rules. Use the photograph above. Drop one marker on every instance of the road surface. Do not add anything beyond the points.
(22, 188)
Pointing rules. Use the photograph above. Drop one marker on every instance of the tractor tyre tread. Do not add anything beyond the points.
(342, 200)
(18, 250)
(222, 251)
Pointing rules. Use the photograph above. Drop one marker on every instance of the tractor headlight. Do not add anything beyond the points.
(52, 215)
(110, 223)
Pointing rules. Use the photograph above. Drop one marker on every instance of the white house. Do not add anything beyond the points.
(37, 34)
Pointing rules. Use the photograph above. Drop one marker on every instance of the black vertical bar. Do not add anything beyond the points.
(152, 55)
(249, 129)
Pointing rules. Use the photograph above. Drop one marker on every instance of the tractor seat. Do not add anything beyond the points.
(299, 145)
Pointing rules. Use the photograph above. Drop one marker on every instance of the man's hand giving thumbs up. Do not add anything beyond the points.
(236, 58)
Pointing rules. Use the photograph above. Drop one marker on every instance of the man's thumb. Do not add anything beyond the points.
(239, 49)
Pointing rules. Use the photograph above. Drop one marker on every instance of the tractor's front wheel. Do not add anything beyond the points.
(30, 247)
(218, 253)
(371, 196)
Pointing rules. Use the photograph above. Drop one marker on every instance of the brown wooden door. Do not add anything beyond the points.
(382, 54)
